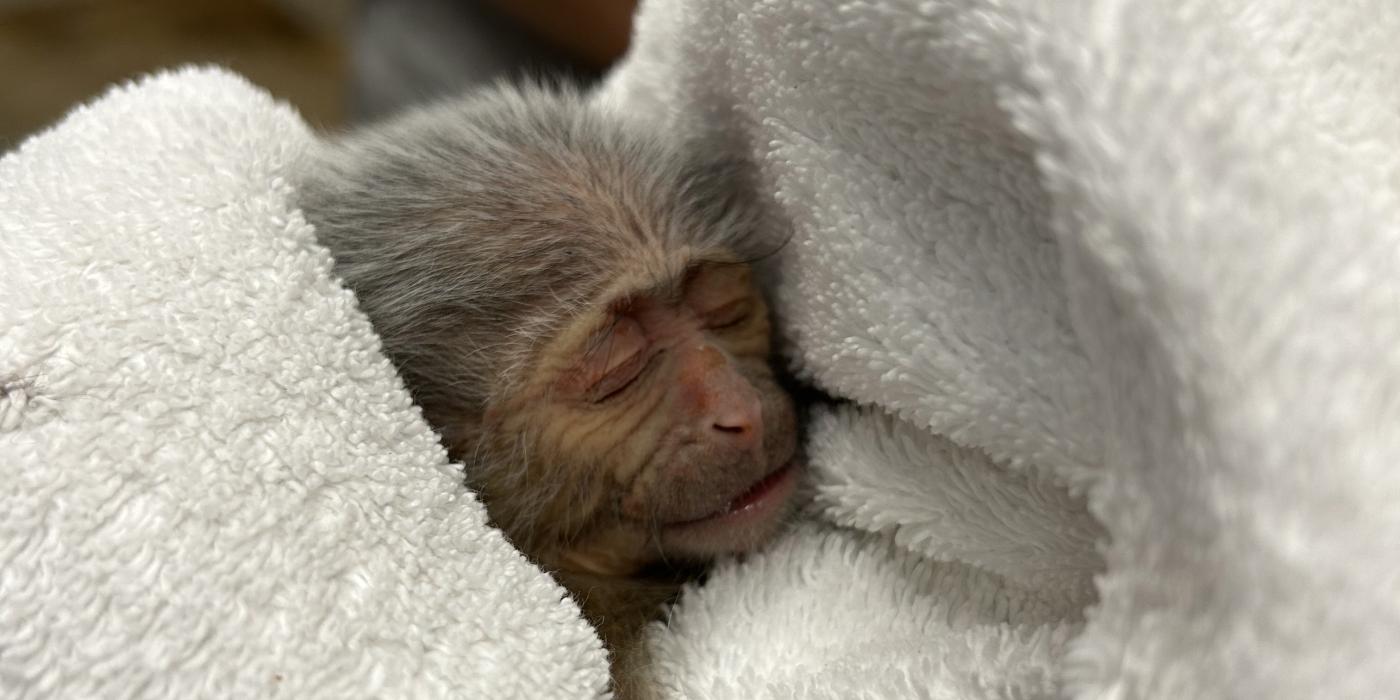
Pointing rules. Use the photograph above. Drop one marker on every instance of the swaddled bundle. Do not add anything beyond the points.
(1127, 259)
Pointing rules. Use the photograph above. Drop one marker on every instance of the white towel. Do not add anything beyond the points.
(1139, 260)
(214, 485)
(1114, 284)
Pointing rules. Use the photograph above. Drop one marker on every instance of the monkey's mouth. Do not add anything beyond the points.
(756, 506)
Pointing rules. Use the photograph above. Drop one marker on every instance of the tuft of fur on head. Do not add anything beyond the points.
(473, 230)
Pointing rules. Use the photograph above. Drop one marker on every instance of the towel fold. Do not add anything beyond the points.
(1115, 285)
(214, 483)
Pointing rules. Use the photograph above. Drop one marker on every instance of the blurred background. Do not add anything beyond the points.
(338, 61)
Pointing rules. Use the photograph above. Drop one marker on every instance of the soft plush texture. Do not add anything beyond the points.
(1117, 287)
(1110, 287)
(214, 485)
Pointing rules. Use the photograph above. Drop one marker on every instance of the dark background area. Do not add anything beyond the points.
(337, 61)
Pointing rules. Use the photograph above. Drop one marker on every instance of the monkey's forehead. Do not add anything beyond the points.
(661, 278)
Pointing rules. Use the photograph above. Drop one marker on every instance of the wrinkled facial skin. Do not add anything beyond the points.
(654, 430)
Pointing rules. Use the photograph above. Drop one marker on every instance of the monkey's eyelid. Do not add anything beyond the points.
(623, 377)
(728, 315)
(603, 334)
(599, 336)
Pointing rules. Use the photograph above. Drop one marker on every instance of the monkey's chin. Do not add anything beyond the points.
(747, 522)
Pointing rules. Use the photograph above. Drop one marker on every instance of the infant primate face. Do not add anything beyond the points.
(560, 289)
(659, 430)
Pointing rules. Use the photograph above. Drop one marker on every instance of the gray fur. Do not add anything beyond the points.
(472, 230)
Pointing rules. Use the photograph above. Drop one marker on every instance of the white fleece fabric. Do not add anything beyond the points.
(212, 483)
(1113, 290)
(1110, 287)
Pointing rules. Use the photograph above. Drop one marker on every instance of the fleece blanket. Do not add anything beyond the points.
(212, 483)
(1107, 289)
(1112, 289)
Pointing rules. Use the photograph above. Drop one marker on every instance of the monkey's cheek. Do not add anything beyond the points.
(749, 521)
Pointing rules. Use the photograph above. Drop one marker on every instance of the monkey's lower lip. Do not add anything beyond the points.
(766, 495)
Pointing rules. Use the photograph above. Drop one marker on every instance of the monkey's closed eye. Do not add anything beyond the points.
(616, 360)
(729, 315)
(721, 295)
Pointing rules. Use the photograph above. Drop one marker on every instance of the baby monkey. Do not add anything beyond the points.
(564, 294)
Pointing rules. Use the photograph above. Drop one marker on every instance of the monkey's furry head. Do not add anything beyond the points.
(557, 286)
(472, 229)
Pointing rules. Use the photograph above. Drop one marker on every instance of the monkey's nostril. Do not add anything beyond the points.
(737, 434)
(738, 423)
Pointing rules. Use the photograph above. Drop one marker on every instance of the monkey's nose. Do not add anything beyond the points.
(724, 401)
(738, 421)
